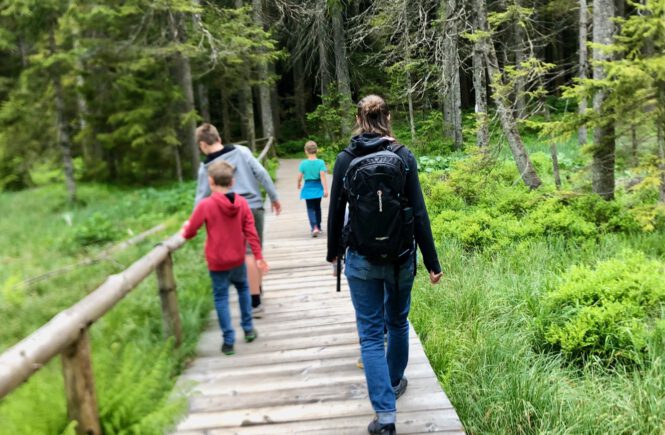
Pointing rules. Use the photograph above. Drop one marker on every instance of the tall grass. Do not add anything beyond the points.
(134, 366)
(478, 329)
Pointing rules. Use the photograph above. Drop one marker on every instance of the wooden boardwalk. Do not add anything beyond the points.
(300, 375)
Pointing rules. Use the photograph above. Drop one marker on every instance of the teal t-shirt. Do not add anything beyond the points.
(311, 169)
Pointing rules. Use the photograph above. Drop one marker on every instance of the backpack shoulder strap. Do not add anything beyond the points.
(395, 147)
(349, 152)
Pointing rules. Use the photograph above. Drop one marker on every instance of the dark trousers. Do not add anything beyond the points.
(314, 212)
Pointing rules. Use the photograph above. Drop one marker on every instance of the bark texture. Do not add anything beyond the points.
(453, 99)
(602, 167)
(265, 101)
(341, 64)
(480, 84)
(63, 139)
(583, 66)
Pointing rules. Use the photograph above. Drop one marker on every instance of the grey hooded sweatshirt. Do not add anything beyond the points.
(249, 173)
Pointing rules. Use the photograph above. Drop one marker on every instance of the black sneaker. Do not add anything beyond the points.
(400, 388)
(251, 335)
(376, 428)
(227, 349)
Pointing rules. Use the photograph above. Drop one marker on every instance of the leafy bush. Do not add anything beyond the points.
(96, 230)
(484, 205)
(610, 312)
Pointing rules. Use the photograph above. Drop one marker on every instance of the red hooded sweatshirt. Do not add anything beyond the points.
(230, 225)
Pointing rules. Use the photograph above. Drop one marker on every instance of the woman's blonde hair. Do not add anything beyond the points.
(373, 116)
(311, 147)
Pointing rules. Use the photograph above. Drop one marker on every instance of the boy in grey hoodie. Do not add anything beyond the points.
(249, 176)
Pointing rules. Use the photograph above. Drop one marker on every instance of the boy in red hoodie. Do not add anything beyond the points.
(230, 226)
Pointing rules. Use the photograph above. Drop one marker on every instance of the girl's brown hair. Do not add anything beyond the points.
(373, 116)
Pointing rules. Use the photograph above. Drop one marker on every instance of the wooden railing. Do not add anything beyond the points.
(67, 334)
(264, 152)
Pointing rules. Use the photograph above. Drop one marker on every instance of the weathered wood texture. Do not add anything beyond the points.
(169, 300)
(80, 386)
(300, 376)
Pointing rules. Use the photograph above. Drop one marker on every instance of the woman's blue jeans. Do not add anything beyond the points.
(314, 212)
(220, 289)
(379, 301)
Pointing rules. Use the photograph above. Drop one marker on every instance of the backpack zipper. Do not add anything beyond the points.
(378, 192)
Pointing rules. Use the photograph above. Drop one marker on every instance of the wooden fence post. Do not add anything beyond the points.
(167, 294)
(80, 386)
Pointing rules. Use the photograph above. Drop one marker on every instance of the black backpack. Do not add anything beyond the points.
(380, 225)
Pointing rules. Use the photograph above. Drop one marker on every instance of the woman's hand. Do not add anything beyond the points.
(434, 278)
(325, 193)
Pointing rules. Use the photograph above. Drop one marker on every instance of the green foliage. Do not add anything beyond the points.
(134, 367)
(610, 312)
(481, 334)
(96, 230)
(479, 204)
(328, 117)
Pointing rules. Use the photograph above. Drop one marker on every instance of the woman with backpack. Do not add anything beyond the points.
(378, 179)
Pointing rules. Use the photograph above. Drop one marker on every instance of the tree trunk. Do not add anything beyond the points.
(341, 66)
(480, 87)
(265, 103)
(274, 102)
(409, 96)
(520, 154)
(520, 57)
(226, 116)
(299, 92)
(661, 154)
(183, 73)
(63, 138)
(247, 101)
(178, 163)
(602, 167)
(661, 139)
(634, 143)
(204, 102)
(583, 66)
(322, 36)
(453, 101)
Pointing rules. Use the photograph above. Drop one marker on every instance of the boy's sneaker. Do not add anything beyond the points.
(315, 232)
(257, 312)
(227, 349)
(251, 335)
(376, 428)
(400, 388)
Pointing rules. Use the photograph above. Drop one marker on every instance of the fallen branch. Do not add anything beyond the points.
(103, 255)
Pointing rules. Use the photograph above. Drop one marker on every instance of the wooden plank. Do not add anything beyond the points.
(416, 422)
(300, 376)
(292, 396)
(304, 412)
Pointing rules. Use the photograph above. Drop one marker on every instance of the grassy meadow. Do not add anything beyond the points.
(134, 366)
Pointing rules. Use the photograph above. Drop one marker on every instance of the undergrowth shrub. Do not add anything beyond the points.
(96, 230)
(485, 205)
(610, 312)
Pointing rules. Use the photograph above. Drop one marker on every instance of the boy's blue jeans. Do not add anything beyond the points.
(374, 292)
(314, 212)
(220, 289)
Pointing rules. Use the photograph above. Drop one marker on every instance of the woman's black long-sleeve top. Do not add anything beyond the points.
(366, 144)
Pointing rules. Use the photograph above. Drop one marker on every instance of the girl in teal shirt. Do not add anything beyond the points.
(313, 171)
